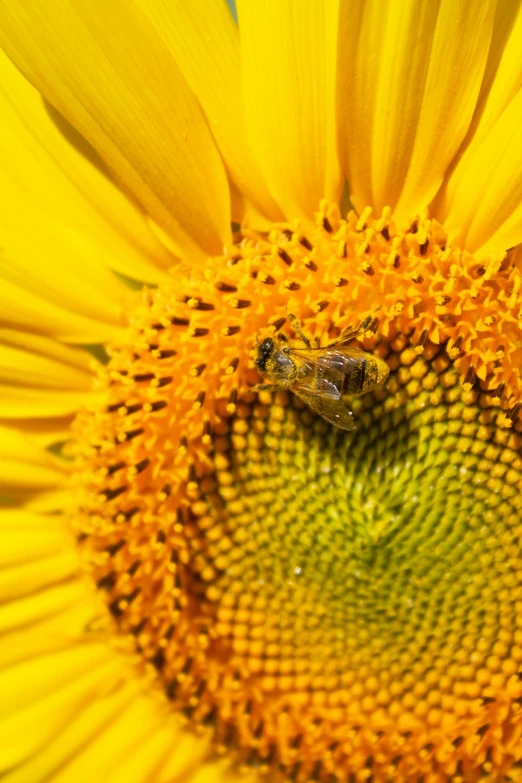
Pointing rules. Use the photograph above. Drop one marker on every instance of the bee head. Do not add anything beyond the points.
(264, 350)
(274, 361)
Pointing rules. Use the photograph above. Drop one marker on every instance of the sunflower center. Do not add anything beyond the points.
(328, 603)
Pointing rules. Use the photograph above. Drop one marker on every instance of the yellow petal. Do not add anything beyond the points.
(33, 365)
(55, 611)
(30, 610)
(36, 551)
(204, 40)
(43, 432)
(25, 731)
(85, 722)
(79, 359)
(111, 746)
(188, 757)
(14, 445)
(220, 772)
(46, 250)
(286, 51)
(27, 578)
(130, 246)
(27, 522)
(129, 750)
(483, 197)
(21, 546)
(29, 681)
(503, 75)
(26, 537)
(15, 476)
(40, 377)
(103, 66)
(49, 501)
(53, 167)
(50, 634)
(25, 467)
(97, 725)
(16, 402)
(32, 310)
(409, 76)
(38, 250)
(146, 757)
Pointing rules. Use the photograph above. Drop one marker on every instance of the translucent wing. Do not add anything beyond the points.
(331, 363)
(325, 399)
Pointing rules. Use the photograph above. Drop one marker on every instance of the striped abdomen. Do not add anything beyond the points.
(364, 375)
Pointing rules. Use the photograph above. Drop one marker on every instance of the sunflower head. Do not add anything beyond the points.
(326, 602)
(290, 484)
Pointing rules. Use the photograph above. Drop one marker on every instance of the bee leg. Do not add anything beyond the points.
(351, 333)
(299, 330)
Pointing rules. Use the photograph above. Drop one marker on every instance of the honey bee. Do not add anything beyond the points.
(320, 375)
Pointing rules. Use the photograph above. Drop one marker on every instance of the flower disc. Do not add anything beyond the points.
(331, 605)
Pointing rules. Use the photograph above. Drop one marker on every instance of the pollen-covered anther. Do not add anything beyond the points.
(305, 242)
(232, 367)
(498, 394)
(230, 331)
(470, 378)
(263, 277)
(199, 401)
(278, 324)
(514, 413)
(232, 402)
(240, 304)
(198, 331)
(454, 350)
(284, 256)
(197, 304)
(318, 307)
(195, 372)
(423, 247)
(419, 348)
(310, 264)
(226, 287)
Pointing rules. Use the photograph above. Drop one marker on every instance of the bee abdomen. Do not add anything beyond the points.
(356, 377)
(365, 375)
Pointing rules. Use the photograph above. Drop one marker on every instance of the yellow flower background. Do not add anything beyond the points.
(200, 582)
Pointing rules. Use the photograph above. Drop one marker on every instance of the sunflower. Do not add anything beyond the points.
(203, 581)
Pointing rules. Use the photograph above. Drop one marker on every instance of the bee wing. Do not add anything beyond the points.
(329, 363)
(325, 398)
